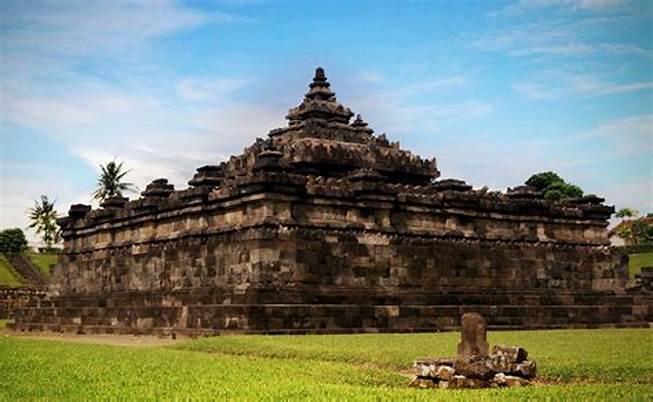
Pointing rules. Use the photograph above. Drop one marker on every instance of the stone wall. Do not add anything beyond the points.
(281, 240)
(326, 227)
(12, 299)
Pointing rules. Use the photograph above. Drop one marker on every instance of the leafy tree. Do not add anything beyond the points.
(635, 231)
(13, 241)
(627, 213)
(642, 232)
(110, 182)
(44, 220)
(543, 180)
(562, 190)
(553, 187)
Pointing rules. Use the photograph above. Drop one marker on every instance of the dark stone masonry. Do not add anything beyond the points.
(325, 227)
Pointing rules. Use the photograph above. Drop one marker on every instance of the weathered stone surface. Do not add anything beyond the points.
(419, 382)
(435, 361)
(500, 363)
(462, 382)
(513, 354)
(474, 368)
(473, 336)
(17, 298)
(526, 369)
(503, 380)
(324, 226)
(445, 373)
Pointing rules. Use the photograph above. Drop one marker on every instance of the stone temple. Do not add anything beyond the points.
(325, 227)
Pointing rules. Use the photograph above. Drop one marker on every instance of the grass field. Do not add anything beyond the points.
(8, 276)
(574, 365)
(637, 261)
(43, 262)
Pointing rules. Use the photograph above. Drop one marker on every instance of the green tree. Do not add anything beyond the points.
(642, 231)
(553, 187)
(543, 180)
(562, 190)
(13, 241)
(110, 182)
(627, 213)
(44, 221)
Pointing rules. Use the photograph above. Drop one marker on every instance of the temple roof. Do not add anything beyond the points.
(319, 102)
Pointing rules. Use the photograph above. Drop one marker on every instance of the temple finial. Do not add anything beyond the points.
(319, 88)
(319, 74)
(360, 124)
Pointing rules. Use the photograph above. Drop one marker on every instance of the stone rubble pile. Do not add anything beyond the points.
(506, 366)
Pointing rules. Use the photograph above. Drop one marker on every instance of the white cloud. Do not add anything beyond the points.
(564, 29)
(202, 89)
(371, 76)
(630, 136)
(81, 28)
(528, 6)
(430, 86)
(98, 115)
(553, 85)
(634, 87)
(559, 49)
(536, 91)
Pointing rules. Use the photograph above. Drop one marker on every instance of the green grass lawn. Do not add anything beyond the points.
(43, 262)
(574, 365)
(8, 276)
(637, 261)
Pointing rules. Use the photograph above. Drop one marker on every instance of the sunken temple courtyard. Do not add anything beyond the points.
(325, 227)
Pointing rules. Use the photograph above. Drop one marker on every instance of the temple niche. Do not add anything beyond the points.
(326, 227)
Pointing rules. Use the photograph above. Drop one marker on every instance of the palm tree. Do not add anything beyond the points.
(109, 183)
(44, 220)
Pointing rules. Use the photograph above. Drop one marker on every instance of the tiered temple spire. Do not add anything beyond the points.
(320, 87)
(319, 103)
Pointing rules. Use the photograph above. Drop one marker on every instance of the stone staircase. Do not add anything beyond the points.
(25, 268)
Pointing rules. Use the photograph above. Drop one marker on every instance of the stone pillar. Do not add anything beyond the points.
(473, 342)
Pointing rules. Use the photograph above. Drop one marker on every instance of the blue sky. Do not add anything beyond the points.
(495, 90)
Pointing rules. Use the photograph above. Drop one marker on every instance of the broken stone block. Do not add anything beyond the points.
(499, 363)
(476, 383)
(503, 380)
(444, 373)
(419, 382)
(514, 354)
(436, 361)
(526, 369)
(458, 381)
(474, 368)
(423, 370)
(512, 381)
(461, 382)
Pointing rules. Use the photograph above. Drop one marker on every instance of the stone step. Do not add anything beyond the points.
(25, 268)
(280, 317)
(193, 332)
